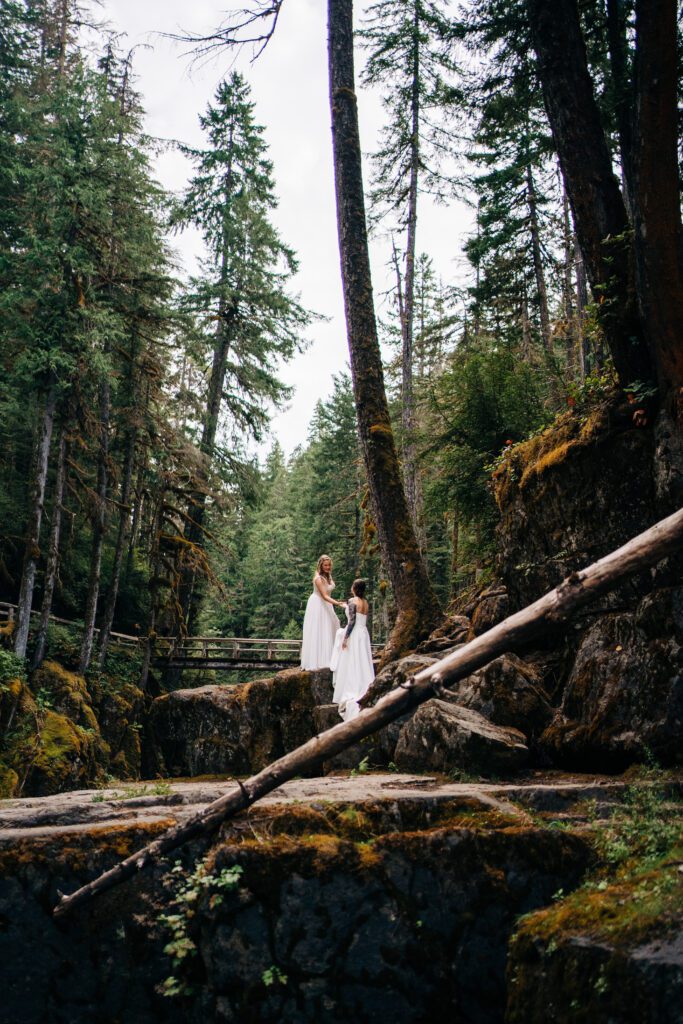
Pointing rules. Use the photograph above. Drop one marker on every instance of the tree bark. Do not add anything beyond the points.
(600, 218)
(416, 602)
(407, 400)
(32, 550)
(656, 197)
(555, 607)
(52, 567)
(537, 258)
(567, 290)
(617, 16)
(121, 537)
(99, 521)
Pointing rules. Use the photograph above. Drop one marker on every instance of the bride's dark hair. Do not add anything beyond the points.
(358, 588)
(318, 569)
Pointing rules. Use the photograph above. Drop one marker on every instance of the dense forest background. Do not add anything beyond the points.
(134, 401)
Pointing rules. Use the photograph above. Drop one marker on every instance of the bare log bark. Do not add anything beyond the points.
(555, 607)
(416, 601)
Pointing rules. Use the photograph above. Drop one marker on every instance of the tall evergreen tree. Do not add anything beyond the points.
(246, 320)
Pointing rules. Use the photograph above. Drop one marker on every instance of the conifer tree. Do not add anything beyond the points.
(246, 322)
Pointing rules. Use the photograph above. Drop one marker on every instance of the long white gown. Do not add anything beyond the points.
(352, 668)
(320, 628)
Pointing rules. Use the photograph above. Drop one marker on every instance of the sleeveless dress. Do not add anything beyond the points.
(352, 668)
(320, 628)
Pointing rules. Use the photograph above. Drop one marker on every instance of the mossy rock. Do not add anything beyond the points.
(604, 954)
(9, 780)
(67, 692)
(65, 758)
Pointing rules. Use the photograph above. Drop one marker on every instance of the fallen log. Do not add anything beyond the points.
(557, 606)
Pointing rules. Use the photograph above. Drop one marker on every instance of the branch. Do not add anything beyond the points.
(557, 606)
(242, 28)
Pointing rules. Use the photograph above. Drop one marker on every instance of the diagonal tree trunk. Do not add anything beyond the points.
(602, 226)
(416, 602)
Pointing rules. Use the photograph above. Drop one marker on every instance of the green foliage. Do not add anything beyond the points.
(273, 975)
(11, 667)
(643, 828)
(189, 888)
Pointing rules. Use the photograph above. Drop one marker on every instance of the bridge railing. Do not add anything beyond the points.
(199, 648)
(8, 613)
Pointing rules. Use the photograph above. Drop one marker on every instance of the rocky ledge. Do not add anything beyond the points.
(331, 900)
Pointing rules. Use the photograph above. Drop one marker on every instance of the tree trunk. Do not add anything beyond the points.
(416, 602)
(455, 553)
(99, 520)
(407, 400)
(617, 17)
(52, 567)
(602, 226)
(121, 537)
(138, 502)
(32, 550)
(567, 290)
(537, 257)
(657, 217)
(581, 303)
(557, 606)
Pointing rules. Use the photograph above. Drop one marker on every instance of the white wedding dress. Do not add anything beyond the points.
(320, 628)
(353, 669)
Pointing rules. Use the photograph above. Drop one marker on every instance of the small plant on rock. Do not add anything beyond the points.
(189, 889)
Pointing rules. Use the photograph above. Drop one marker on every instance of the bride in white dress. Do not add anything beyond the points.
(351, 660)
(320, 621)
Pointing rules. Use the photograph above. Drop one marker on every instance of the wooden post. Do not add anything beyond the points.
(555, 607)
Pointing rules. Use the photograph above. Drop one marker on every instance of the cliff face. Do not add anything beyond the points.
(574, 493)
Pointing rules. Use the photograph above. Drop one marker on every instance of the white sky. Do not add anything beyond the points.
(290, 90)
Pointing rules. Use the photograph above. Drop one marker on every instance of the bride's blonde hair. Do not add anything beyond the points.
(319, 571)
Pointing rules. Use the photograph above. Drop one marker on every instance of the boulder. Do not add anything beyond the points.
(443, 737)
(326, 717)
(394, 674)
(507, 691)
(623, 701)
(569, 495)
(492, 607)
(452, 631)
(382, 745)
(236, 730)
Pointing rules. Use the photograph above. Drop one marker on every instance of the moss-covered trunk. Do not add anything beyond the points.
(415, 600)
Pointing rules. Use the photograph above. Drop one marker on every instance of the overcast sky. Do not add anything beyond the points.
(289, 84)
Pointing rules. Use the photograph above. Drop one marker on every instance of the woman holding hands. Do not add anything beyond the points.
(320, 622)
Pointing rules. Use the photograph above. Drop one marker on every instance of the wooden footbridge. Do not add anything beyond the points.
(226, 653)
